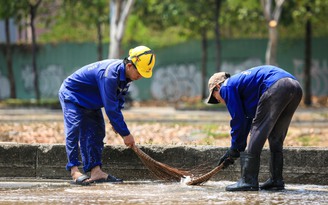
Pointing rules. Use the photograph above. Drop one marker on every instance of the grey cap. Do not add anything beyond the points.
(216, 79)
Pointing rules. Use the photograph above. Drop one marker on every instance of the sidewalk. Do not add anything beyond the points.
(310, 116)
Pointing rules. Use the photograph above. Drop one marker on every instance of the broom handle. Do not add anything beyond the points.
(134, 148)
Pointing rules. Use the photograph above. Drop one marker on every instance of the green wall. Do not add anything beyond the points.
(177, 69)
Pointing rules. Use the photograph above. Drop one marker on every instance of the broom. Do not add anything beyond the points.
(160, 170)
(204, 178)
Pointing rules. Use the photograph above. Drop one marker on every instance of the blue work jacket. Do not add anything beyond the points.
(97, 85)
(241, 93)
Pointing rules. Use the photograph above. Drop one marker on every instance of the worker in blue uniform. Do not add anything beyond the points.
(102, 84)
(261, 102)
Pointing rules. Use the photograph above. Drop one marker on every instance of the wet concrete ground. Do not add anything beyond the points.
(150, 192)
(31, 191)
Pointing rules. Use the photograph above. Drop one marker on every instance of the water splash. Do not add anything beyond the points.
(185, 180)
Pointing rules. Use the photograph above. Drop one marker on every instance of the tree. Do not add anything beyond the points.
(119, 12)
(200, 17)
(272, 17)
(6, 12)
(33, 6)
(9, 61)
(91, 14)
(197, 18)
(308, 58)
(305, 14)
(217, 34)
(100, 8)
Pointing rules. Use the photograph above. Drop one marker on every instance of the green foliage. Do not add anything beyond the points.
(6, 9)
(212, 131)
(167, 22)
(76, 21)
(242, 19)
(137, 31)
(295, 15)
(13, 9)
(308, 140)
(188, 18)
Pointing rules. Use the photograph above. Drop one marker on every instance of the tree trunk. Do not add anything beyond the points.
(271, 52)
(204, 61)
(99, 32)
(217, 35)
(272, 17)
(119, 12)
(100, 49)
(33, 9)
(9, 61)
(308, 56)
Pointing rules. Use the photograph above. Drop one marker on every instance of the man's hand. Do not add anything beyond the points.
(229, 157)
(129, 140)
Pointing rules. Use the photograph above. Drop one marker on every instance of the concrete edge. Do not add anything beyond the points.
(302, 165)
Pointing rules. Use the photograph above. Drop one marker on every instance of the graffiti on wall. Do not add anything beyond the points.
(233, 68)
(50, 80)
(175, 81)
(171, 82)
(319, 76)
(4, 87)
(134, 92)
(27, 76)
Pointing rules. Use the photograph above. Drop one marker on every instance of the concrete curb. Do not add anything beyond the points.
(302, 165)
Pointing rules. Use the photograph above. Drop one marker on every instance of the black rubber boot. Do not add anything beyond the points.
(275, 182)
(250, 165)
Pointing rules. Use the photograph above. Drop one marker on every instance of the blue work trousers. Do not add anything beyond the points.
(85, 132)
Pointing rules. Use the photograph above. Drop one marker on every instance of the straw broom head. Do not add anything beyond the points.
(160, 170)
(204, 178)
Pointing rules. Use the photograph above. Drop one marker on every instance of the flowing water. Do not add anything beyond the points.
(150, 192)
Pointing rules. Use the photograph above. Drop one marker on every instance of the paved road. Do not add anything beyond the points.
(311, 116)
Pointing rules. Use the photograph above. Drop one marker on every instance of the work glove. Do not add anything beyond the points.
(229, 157)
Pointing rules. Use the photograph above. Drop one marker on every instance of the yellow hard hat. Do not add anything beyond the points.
(143, 59)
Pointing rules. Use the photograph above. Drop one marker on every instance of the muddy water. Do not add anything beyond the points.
(146, 192)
